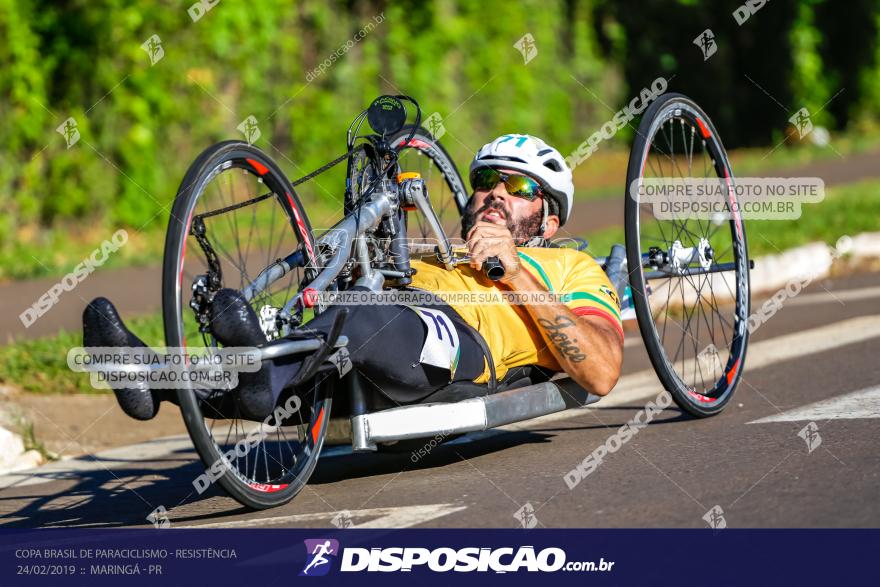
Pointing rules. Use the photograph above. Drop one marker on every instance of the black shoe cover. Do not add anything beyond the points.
(234, 323)
(102, 327)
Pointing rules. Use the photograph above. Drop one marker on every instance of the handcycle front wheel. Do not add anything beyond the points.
(260, 464)
(689, 276)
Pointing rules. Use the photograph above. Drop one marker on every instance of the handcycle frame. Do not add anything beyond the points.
(345, 243)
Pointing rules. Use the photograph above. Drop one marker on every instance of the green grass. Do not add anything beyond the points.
(31, 442)
(602, 240)
(846, 210)
(603, 175)
(56, 251)
(40, 365)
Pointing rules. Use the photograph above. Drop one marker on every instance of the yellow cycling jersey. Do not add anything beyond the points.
(508, 329)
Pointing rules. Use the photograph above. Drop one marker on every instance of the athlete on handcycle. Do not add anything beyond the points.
(522, 195)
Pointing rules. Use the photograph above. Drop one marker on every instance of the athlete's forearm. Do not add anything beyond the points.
(585, 347)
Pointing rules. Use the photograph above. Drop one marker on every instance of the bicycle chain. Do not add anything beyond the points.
(323, 168)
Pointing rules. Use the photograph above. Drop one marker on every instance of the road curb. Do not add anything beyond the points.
(866, 245)
(13, 454)
(771, 273)
(816, 260)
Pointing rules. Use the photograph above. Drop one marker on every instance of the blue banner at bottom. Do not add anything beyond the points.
(582, 557)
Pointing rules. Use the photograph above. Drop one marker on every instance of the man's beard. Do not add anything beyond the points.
(521, 230)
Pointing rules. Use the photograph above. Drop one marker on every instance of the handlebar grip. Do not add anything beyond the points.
(493, 268)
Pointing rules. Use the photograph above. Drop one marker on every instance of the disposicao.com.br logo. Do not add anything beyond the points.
(444, 559)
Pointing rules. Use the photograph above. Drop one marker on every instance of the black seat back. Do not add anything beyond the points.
(516, 377)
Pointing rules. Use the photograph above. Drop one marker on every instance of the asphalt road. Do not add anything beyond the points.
(749, 465)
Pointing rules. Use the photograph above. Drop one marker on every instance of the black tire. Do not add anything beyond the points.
(240, 165)
(709, 388)
(446, 188)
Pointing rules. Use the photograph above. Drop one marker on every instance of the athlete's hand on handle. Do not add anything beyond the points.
(487, 240)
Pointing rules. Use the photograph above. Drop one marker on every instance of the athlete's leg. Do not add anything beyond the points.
(385, 344)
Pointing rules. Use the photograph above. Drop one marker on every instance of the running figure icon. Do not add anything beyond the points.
(318, 554)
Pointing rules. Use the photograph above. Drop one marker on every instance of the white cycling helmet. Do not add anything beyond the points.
(535, 158)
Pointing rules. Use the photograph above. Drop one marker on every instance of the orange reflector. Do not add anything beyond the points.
(408, 175)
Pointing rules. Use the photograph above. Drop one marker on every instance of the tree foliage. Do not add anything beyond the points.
(141, 124)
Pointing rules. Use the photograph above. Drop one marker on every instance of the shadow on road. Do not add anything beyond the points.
(425, 454)
(124, 492)
(112, 495)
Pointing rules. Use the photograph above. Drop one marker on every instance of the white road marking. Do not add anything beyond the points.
(390, 517)
(864, 403)
(832, 296)
(644, 385)
(819, 297)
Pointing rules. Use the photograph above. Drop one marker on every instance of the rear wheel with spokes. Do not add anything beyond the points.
(689, 275)
(260, 464)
